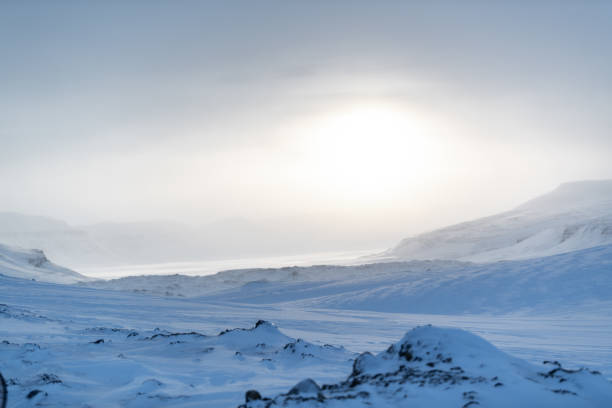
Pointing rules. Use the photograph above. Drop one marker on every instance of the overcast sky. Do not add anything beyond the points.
(400, 115)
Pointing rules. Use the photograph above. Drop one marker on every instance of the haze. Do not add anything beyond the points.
(387, 120)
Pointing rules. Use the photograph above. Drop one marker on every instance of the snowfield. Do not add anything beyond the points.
(65, 345)
(575, 281)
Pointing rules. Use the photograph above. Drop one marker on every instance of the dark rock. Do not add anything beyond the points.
(405, 351)
(33, 393)
(48, 379)
(307, 386)
(252, 395)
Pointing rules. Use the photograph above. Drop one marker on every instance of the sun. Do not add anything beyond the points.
(368, 152)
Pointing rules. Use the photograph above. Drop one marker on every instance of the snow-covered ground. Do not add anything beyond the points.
(90, 347)
(434, 367)
(574, 281)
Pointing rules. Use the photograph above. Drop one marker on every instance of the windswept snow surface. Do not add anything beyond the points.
(575, 216)
(33, 264)
(66, 345)
(579, 280)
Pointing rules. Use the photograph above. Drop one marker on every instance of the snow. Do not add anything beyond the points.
(76, 357)
(575, 216)
(33, 264)
(579, 280)
(440, 367)
(112, 348)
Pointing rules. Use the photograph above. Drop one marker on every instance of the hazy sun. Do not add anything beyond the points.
(367, 152)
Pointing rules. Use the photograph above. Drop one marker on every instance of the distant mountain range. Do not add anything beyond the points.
(121, 243)
(574, 216)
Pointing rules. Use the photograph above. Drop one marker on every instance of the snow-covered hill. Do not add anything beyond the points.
(33, 264)
(434, 367)
(570, 281)
(65, 244)
(575, 216)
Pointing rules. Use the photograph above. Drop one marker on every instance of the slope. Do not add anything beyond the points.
(575, 216)
(575, 280)
(33, 264)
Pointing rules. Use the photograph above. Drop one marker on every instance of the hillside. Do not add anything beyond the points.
(578, 279)
(65, 244)
(33, 264)
(574, 216)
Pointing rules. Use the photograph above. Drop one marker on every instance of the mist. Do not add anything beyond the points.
(198, 114)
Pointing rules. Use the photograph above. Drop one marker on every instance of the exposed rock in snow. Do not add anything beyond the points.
(33, 264)
(435, 367)
(574, 216)
(123, 362)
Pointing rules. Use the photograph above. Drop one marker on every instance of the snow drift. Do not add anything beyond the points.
(111, 366)
(435, 367)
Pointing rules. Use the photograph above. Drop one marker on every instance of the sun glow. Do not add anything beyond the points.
(368, 152)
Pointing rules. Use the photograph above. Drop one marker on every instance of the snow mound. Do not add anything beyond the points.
(262, 335)
(33, 264)
(575, 216)
(158, 368)
(439, 367)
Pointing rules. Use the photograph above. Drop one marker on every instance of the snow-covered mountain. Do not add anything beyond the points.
(33, 264)
(575, 216)
(65, 244)
(134, 243)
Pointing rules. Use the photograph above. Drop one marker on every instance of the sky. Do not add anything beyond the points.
(393, 116)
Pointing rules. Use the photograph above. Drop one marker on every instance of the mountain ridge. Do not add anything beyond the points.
(574, 216)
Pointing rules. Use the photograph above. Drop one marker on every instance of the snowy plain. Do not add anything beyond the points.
(52, 334)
